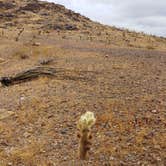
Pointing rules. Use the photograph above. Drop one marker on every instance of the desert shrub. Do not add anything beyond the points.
(150, 47)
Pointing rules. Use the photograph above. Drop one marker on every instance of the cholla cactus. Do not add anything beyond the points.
(84, 125)
(86, 121)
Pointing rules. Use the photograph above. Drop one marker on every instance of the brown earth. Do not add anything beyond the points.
(125, 87)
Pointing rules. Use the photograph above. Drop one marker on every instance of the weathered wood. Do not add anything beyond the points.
(45, 71)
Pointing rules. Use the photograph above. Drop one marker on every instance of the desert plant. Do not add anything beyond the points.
(150, 47)
(84, 125)
(19, 34)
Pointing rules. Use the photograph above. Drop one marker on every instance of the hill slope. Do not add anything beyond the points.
(50, 17)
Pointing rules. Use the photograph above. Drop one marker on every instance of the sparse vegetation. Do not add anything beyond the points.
(109, 71)
(150, 47)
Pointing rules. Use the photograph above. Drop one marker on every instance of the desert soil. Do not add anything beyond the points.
(125, 88)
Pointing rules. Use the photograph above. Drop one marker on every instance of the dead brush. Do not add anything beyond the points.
(84, 125)
(19, 34)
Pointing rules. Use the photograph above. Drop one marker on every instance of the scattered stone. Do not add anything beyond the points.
(107, 56)
(22, 98)
(24, 56)
(10, 164)
(64, 131)
(36, 44)
(154, 111)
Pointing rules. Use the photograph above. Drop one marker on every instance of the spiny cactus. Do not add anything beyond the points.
(84, 125)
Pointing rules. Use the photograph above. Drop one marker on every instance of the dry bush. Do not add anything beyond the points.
(27, 154)
(22, 53)
(150, 47)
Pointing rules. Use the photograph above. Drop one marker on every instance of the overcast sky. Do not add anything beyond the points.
(140, 15)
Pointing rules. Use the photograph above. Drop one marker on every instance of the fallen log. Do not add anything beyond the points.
(45, 71)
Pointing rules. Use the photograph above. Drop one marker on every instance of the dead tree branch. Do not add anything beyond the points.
(36, 72)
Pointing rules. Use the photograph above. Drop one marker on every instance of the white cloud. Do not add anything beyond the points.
(140, 15)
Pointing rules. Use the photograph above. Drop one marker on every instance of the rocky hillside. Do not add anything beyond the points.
(44, 17)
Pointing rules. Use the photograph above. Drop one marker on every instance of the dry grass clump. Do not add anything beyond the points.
(150, 47)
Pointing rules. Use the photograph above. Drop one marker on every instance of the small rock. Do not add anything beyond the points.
(64, 131)
(22, 98)
(36, 44)
(112, 158)
(154, 111)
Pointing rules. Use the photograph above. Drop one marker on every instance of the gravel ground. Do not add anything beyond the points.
(126, 89)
